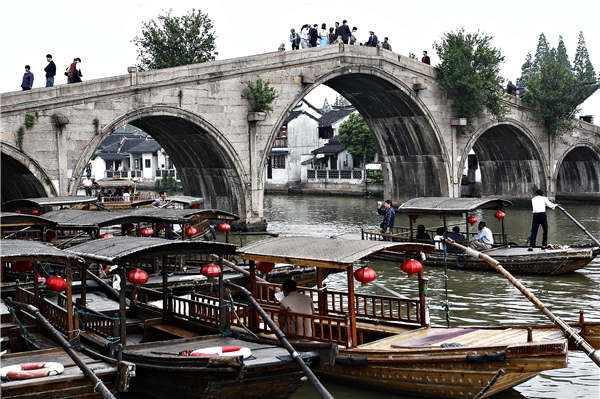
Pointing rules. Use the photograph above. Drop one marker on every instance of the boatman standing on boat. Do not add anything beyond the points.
(482, 240)
(538, 207)
(389, 214)
(161, 201)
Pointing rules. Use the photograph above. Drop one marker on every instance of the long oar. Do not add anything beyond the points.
(284, 342)
(579, 225)
(564, 327)
(98, 384)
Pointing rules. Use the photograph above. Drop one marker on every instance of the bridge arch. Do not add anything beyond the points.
(414, 156)
(510, 159)
(206, 161)
(22, 176)
(577, 173)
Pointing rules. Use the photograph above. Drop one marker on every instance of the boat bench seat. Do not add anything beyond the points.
(174, 330)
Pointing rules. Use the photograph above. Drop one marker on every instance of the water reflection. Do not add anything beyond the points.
(475, 297)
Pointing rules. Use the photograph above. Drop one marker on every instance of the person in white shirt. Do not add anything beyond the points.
(297, 303)
(438, 239)
(482, 240)
(538, 207)
(87, 185)
(304, 36)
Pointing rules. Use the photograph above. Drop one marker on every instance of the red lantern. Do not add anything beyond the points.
(18, 211)
(414, 217)
(191, 231)
(499, 215)
(194, 206)
(86, 208)
(128, 227)
(411, 266)
(106, 235)
(137, 277)
(22, 266)
(472, 219)
(224, 227)
(365, 275)
(56, 283)
(210, 270)
(50, 235)
(147, 232)
(35, 212)
(265, 267)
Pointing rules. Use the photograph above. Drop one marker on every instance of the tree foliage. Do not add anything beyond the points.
(340, 101)
(469, 74)
(326, 107)
(260, 95)
(357, 138)
(171, 41)
(582, 66)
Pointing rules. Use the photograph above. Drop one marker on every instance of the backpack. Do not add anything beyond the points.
(67, 70)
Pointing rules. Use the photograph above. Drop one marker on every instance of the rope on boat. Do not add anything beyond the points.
(81, 312)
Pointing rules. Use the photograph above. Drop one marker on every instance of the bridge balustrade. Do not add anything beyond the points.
(335, 174)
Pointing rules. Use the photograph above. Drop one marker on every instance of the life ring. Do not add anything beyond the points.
(222, 351)
(25, 371)
(461, 260)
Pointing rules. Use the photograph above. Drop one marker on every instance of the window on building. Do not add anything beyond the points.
(147, 163)
(325, 132)
(136, 163)
(278, 161)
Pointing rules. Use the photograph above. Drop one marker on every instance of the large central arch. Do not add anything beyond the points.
(414, 155)
(208, 165)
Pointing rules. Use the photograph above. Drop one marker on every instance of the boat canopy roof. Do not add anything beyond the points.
(15, 250)
(48, 201)
(450, 206)
(79, 219)
(320, 251)
(124, 249)
(178, 199)
(115, 183)
(8, 219)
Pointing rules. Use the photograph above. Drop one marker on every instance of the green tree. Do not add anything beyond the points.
(469, 74)
(356, 137)
(326, 107)
(542, 50)
(561, 53)
(582, 66)
(340, 102)
(171, 41)
(260, 95)
(526, 71)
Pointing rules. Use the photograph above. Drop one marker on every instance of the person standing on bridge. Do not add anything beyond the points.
(386, 45)
(294, 39)
(425, 59)
(344, 32)
(313, 35)
(323, 37)
(27, 82)
(74, 74)
(538, 207)
(353, 35)
(50, 71)
(373, 41)
(304, 36)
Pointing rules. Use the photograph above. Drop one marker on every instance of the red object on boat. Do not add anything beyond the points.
(147, 232)
(472, 219)
(204, 354)
(41, 279)
(499, 215)
(50, 235)
(224, 227)
(411, 266)
(365, 275)
(161, 226)
(414, 217)
(56, 283)
(86, 208)
(265, 267)
(210, 270)
(128, 227)
(22, 266)
(137, 276)
(194, 206)
(18, 211)
(106, 235)
(191, 231)
(35, 212)
(226, 349)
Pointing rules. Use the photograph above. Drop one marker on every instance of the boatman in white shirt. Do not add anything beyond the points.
(482, 240)
(538, 207)
(297, 303)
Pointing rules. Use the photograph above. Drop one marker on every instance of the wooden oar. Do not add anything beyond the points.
(284, 342)
(564, 327)
(98, 384)
(579, 225)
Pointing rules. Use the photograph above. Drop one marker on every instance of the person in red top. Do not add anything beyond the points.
(74, 74)
(425, 58)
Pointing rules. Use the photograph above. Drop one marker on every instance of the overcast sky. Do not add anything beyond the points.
(100, 33)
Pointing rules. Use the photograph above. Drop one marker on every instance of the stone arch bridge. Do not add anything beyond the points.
(198, 115)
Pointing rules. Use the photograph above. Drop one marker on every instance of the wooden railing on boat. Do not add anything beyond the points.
(55, 314)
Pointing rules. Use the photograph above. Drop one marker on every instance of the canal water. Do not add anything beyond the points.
(475, 298)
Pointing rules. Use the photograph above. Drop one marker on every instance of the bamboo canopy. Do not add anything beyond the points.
(48, 201)
(450, 206)
(13, 250)
(10, 219)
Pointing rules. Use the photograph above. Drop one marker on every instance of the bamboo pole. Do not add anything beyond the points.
(579, 225)
(98, 384)
(284, 342)
(564, 327)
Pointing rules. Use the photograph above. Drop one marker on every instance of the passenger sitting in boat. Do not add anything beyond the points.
(295, 302)
(421, 233)
(126, 195)
(456, 236)
(439, 238)
(161, 201)
(482, 240)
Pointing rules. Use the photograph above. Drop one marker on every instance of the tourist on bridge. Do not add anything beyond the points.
(538, 207)
(344, 32)
(50, 71)
(331, 37)
(373, 41)
(313, 35)
(511, 88)
(386, 45)
(294, 39)
(353, 35)
(482, 240)
(323, 36)
(304, 36)
(73, 73)
(426, 59)
(336, 32)
(389, 214)
(27, 83)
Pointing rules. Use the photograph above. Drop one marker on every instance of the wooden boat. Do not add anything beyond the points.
(515, 258)
(45, 204)
(107, 193)
(176, 201)
(71, 381)
(24, 226)
(156, 338)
